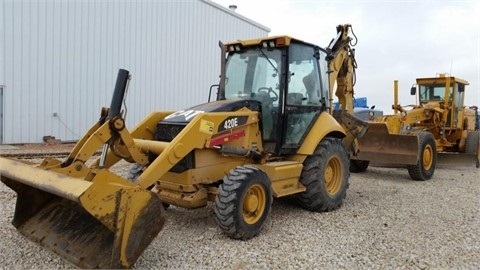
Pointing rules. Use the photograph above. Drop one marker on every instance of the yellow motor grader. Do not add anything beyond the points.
(439, 124)
(268, 134)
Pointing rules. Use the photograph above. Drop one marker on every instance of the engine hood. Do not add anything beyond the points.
(185, 116)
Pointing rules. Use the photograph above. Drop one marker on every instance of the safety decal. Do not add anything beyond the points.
(206, 126)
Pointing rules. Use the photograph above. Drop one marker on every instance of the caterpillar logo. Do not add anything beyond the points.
(184, 115)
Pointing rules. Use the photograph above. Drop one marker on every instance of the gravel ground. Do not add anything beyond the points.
(387, 221)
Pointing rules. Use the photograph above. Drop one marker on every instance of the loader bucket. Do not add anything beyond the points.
(103, 223)
(382, 148)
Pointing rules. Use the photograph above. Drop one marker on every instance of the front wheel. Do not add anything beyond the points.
(243, 202)
(134, 172)
(358, 166)
(325, 175)
(427, 158)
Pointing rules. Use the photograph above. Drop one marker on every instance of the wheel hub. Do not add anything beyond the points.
(427, 157)
(333, 176)
(254, 204)
(251, 203)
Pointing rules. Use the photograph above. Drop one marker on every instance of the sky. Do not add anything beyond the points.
(397, 40)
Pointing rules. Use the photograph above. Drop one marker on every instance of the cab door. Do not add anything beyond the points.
(304, 99)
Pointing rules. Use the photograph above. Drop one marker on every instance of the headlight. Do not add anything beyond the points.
(371, 113)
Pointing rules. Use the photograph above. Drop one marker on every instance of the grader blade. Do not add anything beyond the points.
(103, 223)
(457, 160)
(382, 148)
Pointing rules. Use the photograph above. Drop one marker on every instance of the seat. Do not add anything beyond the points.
(311, 84)
(267, 116)
(294, 98)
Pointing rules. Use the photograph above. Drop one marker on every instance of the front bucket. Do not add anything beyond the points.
(108, 224)
(382, 148)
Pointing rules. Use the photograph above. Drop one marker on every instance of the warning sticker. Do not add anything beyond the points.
(206, 126)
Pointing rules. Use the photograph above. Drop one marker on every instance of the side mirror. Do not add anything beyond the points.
(461, 88)
(413, 90)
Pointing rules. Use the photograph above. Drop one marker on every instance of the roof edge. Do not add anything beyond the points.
(230, 12)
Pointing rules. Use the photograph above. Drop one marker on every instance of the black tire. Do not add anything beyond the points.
(472, 141)
(243, 202)
(358, 166)
(427, 158)
(325, 175)
(135, 171)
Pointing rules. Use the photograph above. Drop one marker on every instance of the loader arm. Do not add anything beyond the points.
(198, 134)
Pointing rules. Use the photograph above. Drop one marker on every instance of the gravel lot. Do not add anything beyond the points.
(387, 221)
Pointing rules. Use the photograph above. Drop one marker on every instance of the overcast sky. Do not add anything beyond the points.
(397, 40)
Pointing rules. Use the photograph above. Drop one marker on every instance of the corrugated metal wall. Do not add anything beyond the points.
(62, 57)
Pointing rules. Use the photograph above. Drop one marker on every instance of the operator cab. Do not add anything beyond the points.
(288, 77)
(449, 91)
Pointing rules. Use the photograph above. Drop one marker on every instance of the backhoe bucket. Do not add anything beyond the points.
(382, 148)
(103, 223)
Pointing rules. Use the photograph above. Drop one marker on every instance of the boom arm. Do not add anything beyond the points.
(341, 68)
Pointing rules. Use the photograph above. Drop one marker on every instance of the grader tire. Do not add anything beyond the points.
(243, 202)
(325, 175)
(472, 141)
(358, 166)
(427, 159)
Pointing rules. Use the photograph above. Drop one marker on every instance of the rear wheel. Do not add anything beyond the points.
(325, 175)
(427, 158)
(243, 202)
(358, 166)
(472, 141)
(471, 145)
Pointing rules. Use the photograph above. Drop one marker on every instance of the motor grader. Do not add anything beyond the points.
(269, 134)
(439, 123)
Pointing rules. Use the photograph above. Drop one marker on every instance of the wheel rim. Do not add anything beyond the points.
(427, 157)
(333, 176)
(254, 204)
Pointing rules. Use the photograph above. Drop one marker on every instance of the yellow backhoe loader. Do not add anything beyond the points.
(439, 124)
(268, 134)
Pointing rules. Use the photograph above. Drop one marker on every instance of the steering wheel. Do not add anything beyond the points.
(269, 90)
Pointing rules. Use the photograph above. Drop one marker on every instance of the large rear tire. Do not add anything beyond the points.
(427, 158)
(472, 141)
(325, 175)
(358, 166)
(243, 202)
(471, 145)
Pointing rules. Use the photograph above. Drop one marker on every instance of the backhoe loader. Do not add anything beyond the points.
(268, 134)
(439, 123)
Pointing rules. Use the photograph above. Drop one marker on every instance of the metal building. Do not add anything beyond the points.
(59, 60)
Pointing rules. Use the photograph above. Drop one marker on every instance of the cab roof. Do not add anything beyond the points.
(441, 78)
(282, 39)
